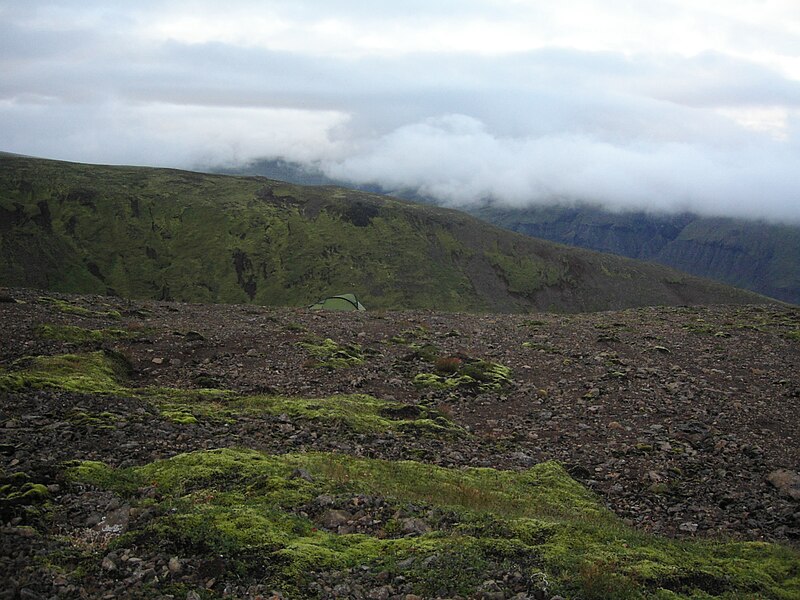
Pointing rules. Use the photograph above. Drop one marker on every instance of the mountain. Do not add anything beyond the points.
(167, 234)
(750, 254)
(759, 256)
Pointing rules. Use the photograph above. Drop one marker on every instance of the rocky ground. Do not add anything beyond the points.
(682, 420)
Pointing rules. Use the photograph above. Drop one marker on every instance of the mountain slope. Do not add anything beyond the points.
(750, 254)
(755, 255)
(166, 234)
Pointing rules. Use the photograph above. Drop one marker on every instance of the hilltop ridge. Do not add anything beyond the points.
(752, 254)
(166, 234)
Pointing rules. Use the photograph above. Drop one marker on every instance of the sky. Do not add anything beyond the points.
(663, 105)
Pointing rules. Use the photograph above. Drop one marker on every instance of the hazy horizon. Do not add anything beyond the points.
(671, 106)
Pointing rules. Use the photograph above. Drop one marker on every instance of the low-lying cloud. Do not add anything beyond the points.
(458, 161)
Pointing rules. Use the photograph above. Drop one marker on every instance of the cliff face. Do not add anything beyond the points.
(754, 255)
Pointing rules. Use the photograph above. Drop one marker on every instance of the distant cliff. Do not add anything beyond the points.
(755, 255)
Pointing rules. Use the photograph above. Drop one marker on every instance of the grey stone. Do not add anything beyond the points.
(380, 593)
(333, 518)
(115, 522)
(688, 527)
(174, 565)
(414, 526)
(786, 482)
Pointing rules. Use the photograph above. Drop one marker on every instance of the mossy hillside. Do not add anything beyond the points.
(159, 233)
(249, 507)
(526, 275)
(751, 254)
(165, 234)
(107, 372)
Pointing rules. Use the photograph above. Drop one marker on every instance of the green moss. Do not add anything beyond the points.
(249, 507)
(27, 493)
(21, 497)
(544, 347)
(179, 416)
(103, 420)
(74, 309)
(481, 374)
(95, 372)
(408, 336)
(102, 476)
(331, 355)
(543, 491)
(716, 569)
(358, 412)
(106, 372)
(100, 372)
(442, 382)
(80, 335)
(427, 352)
(526, 275)
(491, 375)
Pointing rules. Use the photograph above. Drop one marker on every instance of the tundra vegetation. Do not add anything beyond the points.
(286, 518)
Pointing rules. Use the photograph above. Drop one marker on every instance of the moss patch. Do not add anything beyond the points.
(107, 372)
(481, 374)
(331, 355)
(74, 309)
(103, 420)
(544, 491)
(21, 497)
(80, 335)
(252, 509)
(358, 412)
(179, 416)
(95, 372)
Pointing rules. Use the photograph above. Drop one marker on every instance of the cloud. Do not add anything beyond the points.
(457, 160)
(667, 104)
(159, 134)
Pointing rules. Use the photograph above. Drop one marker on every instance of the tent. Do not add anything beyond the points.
(340, 302)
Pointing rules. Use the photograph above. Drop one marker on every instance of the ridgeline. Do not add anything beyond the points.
(175, 235)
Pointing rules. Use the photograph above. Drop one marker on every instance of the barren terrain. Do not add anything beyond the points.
(682, 420)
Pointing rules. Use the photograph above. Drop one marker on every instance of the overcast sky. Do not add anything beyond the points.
(661, 104)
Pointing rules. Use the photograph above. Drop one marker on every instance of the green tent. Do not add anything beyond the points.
(340, 302)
